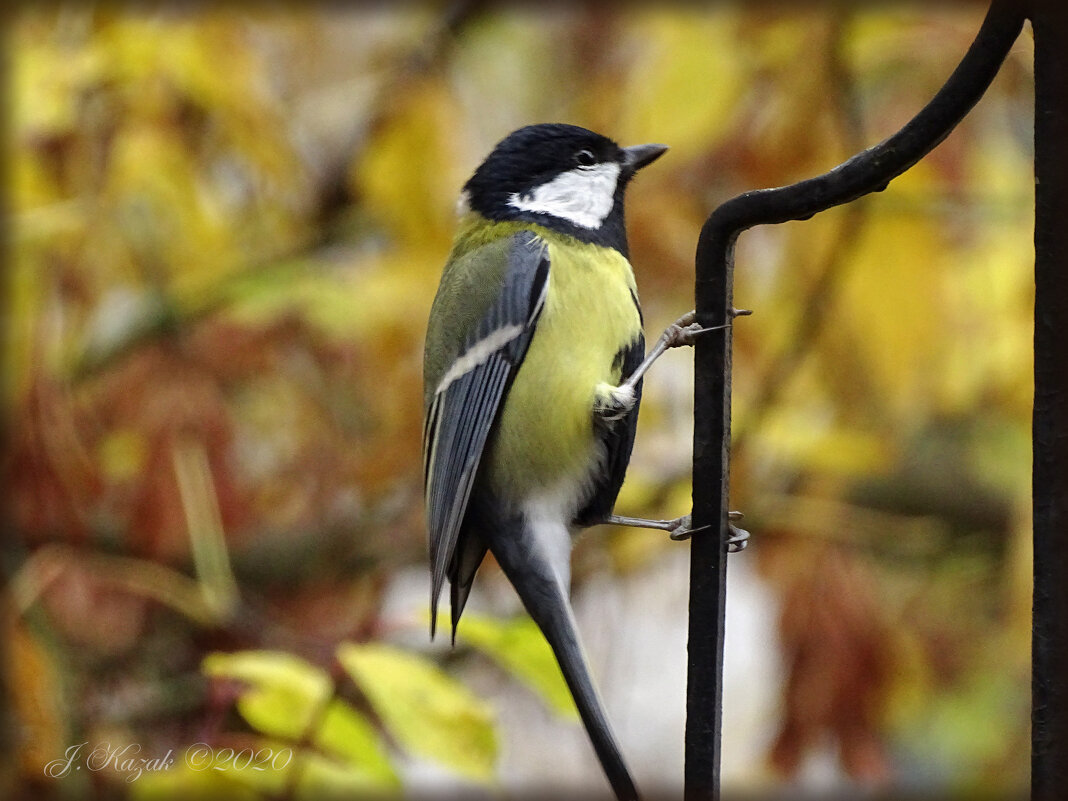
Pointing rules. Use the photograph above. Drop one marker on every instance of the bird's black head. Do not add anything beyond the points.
(561, 176)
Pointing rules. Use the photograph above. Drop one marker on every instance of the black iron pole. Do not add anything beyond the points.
(868, 171)
(708, 552)
(1049, 688)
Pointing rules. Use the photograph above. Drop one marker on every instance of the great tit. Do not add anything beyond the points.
(532, 380)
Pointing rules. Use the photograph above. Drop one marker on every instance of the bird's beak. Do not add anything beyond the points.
(638, 156)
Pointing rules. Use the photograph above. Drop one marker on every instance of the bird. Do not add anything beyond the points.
(533, 366)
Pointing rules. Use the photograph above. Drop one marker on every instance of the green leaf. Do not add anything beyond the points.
(284, 694)
(428, 712)
(323, 778)
(312, 775)
(183, 782)
(347, 734)
(520, 648)
(258, 776)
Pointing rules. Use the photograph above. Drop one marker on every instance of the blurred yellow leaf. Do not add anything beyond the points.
(520, 648)
(800, 435)
(427, 711)
(348, 735)
(664, 102)
(408, 174)
(288, 696)
(888, 326)
(182, 782)
(322, 778)
(284, 692)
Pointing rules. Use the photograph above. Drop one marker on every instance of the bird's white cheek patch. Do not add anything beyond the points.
(584, 196)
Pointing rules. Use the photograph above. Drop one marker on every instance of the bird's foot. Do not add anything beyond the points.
(685, 331)
(680, 528)
(736, 542)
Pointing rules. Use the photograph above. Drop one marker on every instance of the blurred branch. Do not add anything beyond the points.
(851, 526)
(816, 304)
(458, 15)
(136, 576)
(210, 557)
(47, 565)
(426, 58)
(163, 315)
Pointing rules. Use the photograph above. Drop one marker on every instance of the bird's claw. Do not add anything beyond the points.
(681, 337)
(685, 331)
(737, 541)
(682, 530)
(739, 537)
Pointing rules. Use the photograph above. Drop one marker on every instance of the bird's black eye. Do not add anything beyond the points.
(584, 158)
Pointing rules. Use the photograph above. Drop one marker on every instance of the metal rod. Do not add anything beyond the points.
(708, 552)
(1049, 649)
(868, 171)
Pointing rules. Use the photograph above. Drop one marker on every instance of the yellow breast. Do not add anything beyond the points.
(546, 438)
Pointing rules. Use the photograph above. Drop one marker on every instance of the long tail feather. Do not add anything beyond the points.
(542, 586)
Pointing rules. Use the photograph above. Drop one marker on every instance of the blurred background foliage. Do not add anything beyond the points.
(226, 226)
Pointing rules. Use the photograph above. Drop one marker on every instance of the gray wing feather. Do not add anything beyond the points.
(465, 407)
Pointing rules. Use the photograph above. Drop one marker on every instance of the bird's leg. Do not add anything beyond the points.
(680, 525)
(618, 401)
(680, 333)
(679, 528)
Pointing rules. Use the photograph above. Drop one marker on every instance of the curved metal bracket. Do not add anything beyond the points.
(868, 171)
